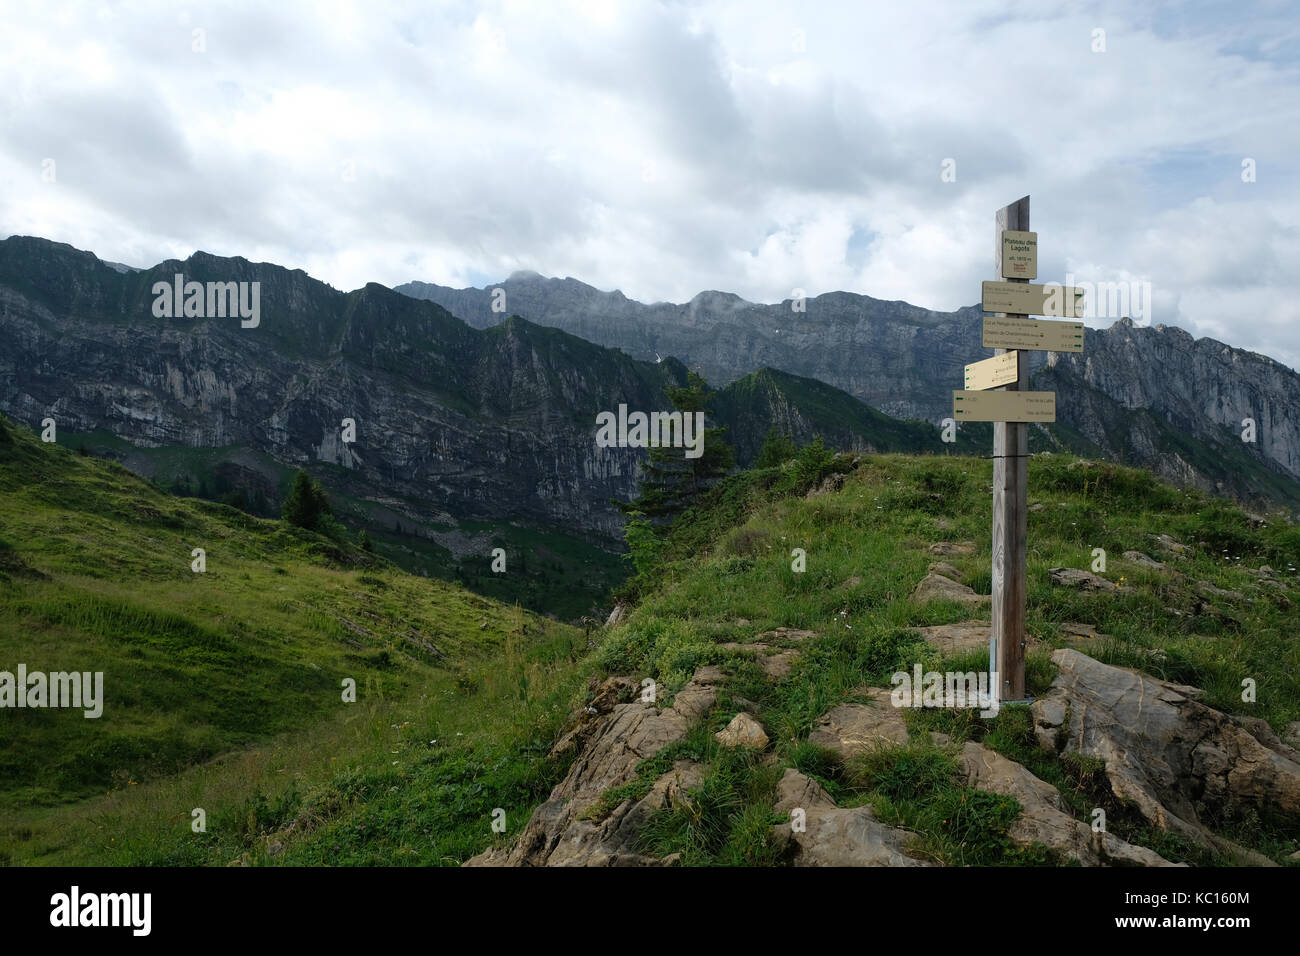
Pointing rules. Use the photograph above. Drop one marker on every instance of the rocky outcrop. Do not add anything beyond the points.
(956, 638)
(937, 587)
(1145, 561)
(818, 833)
(743, 732)
(1044, 818)
(1174, 757)
(850, 729)
(561, 832)
(1082, 580)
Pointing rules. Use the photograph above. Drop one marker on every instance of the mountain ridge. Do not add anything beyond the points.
(904, 361)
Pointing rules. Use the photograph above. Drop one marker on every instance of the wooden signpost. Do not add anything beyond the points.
(997, 391)
(1002, 333)
(1019, 255)
(990, 373)
(1022, 298)
(1004, 406)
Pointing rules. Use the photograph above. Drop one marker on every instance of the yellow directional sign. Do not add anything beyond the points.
(990, 373)
(1019, 255)
(1005, 333)
(1025, 298)
(1004, 406)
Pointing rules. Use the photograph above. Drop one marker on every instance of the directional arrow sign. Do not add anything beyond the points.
(990, 373)
(1019, 255)
(1004, 406)
(1003, 333)
(1024, 298)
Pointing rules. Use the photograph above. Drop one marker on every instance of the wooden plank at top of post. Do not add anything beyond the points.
(1010, 506)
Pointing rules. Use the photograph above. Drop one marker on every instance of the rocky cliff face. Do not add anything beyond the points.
(893, 356)
(1153, 397)
(1199, 385)
(452, 423)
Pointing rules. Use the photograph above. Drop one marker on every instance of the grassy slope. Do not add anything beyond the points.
(728, 577)
(244, 663)
(412, 775)
(572, 577)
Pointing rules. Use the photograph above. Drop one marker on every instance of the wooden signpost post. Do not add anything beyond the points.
(1011, 407)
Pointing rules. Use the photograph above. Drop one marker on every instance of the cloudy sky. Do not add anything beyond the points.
(666, 148)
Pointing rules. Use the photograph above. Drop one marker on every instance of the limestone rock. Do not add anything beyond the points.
(1292, 734)
(1138, 558)
(1170, 546)
(955, 638)
(616, 615)
(946, 569)
(776, 664)
(794, 790)
(946, 548)
(935, 587)
(558, 833)
(850, 729)
(1044, 818)
(743, 731)
(831, 836)
(1082, 580)
(1176, 758)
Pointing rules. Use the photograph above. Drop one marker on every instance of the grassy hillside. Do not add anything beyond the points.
(243, 663)
(567, 576)
(804, 407)
(725, 576)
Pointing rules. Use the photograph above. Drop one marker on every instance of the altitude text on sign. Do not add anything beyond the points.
(1019, 254)
(970, 406)
(1025, 298)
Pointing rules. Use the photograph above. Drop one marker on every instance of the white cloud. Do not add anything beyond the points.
(666, 148)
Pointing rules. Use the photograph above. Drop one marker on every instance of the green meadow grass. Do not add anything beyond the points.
(728, 576)
(223, 689)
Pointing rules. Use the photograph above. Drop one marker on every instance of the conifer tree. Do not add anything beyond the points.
(307, 503)
(672, 481)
